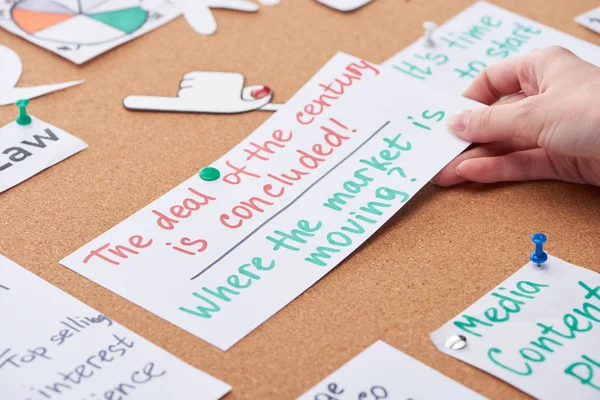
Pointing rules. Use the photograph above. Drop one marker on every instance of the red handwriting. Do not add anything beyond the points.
(188, 207)
(269, 146)
(120, 251)
(246, 210)
(234, 178)
(333, 91)
(197, 246)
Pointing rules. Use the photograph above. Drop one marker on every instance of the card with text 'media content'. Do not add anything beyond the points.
(28, 149)
(482, 35)
(294, 199)
(382, 372)
(52, 346)
(538, 331)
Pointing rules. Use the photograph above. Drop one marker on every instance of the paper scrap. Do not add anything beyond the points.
(10, 72)
(482, 35)
(54, 346)
(294, 199)
(345, 5)
(82, 30)
(538, 330)
(590, 19)
(29, 149)
(383, 372)
(208, 92)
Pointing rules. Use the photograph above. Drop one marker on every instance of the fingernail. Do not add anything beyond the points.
(457, 170)
(459, 121)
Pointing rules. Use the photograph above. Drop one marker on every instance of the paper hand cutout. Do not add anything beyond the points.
(10, 72)
(344, 5)
(198, 14)
(209, 92)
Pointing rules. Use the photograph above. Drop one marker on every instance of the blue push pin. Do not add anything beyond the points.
(538, 256)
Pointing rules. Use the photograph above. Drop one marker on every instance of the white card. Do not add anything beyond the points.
(54, 346)
(82, 30)
(29, 149)
(345, 5)
(210, 248)
(482, 35)
(590, 19)
(383, 372)
(215, 92)
(538, 331)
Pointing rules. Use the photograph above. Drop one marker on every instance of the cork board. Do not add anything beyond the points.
(439, 254)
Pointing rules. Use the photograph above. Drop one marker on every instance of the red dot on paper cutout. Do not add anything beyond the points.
(261, 92)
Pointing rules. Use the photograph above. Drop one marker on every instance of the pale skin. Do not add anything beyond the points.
(548, 127)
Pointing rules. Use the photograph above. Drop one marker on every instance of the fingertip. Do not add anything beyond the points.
(470, 170)
(447, 177)
(459, 121)
(457, 170)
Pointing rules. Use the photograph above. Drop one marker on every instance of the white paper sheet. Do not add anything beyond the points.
(590, 19)
(208, 247)
(345, 5)
(10, 72)
(520, 331)
(53, 346)
(27, 150)
(482, 35)
(383, 372)
(82, 30)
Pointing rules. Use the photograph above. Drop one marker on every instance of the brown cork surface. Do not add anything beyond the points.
(439, 254)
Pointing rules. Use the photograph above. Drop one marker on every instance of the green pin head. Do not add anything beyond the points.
(23, 118)
(209, 174)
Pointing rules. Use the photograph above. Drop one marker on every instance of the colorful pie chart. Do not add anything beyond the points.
(80, 22)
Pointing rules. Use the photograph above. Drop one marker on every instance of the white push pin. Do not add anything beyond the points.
(456, 342)
(429, 28)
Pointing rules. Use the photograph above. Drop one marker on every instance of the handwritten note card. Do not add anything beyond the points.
(383, 372)
(82, 30)
(27, 150)
(295, 198)
(52, 346)
(590, 19)
(481, 35)
(538, 330)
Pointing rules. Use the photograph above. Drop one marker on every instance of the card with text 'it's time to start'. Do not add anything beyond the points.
(53, 346)
(481, 35)
(294, 199)
(538, 330)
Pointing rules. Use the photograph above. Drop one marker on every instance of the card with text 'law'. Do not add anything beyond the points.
(295, 198)
(26, 150)
(53, 346)
(482, 35)
(538, 330)
(590, 19)
(383, 372)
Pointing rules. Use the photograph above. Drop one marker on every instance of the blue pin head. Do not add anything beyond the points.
(538, 256)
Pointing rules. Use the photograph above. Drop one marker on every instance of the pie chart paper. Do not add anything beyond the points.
(79, 30)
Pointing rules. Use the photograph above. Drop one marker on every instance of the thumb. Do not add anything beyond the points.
(497, 122)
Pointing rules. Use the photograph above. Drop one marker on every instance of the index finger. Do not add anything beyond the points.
(496, 81)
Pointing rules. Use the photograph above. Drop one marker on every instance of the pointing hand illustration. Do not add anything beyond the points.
(10, 72)
(208, 92)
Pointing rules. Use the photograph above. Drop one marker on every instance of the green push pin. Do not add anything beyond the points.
(209, 174)
(23, 118)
